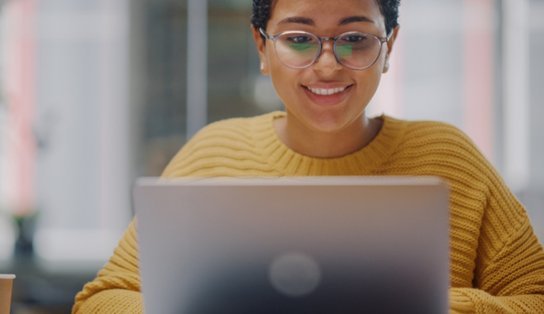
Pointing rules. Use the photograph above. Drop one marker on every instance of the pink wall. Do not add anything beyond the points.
(20, 97)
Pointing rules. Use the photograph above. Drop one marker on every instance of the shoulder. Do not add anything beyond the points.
(433, 129)
(223, 142)
(425, 135)
(439, 148)
(233, 133)
(233, 126)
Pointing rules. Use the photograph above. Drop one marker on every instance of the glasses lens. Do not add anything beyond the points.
(297, 49)
(357, 50)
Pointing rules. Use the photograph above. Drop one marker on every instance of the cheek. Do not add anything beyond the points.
(368, 83)
(284, 85)
(285, 81)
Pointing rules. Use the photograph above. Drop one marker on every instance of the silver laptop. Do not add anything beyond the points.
(293, 245)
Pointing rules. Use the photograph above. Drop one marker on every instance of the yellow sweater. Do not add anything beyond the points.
(497, 263)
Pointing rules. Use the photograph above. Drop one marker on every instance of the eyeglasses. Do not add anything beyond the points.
(300, 49)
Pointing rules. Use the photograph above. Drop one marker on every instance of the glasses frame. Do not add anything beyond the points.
(274, 39)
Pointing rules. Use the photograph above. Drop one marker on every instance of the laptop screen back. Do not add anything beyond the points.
(293, 245)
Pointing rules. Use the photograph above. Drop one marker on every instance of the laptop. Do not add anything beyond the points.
(293, 245)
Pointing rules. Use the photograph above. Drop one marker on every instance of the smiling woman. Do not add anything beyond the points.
(325, 99)
(326, 60)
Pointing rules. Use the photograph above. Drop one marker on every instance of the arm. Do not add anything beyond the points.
(510, 273)
(116, 289)
(497, 263)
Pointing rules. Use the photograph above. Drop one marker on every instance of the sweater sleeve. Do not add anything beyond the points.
(510, 273)
(116, 289)
(517, 282)
(502, 267)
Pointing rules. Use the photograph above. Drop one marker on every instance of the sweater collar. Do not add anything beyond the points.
(362, 162)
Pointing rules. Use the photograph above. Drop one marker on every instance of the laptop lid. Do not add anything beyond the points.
(293, 245)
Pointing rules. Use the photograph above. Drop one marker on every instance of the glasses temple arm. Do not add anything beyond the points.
(263, 33)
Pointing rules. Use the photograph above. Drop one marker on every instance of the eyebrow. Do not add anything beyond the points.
(297, 20)
(309, 21)
(355, 19)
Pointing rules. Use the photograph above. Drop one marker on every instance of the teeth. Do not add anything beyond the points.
(326, 91)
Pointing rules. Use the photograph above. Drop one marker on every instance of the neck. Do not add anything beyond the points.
(320, 144)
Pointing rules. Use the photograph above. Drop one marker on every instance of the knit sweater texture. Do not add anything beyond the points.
(496, 261)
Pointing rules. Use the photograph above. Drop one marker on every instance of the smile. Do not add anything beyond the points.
(326, 91)
(328, 96)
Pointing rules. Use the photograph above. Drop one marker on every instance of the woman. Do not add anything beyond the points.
(326, 81)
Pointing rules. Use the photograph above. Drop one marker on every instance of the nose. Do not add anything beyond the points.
(327, 64)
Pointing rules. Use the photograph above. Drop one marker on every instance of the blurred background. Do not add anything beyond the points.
(95, 93)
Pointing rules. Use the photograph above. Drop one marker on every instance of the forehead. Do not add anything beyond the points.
(326, 13)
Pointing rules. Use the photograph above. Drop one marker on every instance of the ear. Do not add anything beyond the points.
(260, 44)
(390, 45)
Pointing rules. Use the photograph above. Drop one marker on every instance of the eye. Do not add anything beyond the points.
(356, 38)
(299, 39)
(300, 42)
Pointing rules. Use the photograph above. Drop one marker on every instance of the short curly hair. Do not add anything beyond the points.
(388, 8)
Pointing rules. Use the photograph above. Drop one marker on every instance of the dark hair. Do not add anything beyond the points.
(388, 8)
